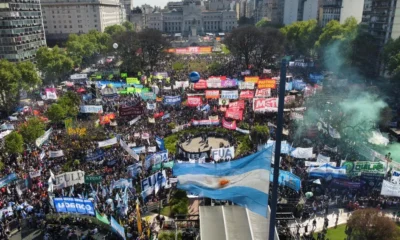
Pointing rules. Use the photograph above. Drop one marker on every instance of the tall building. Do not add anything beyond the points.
(62, 18)
(22, 30)
(310, 9)
(340, 10)
(290, 11)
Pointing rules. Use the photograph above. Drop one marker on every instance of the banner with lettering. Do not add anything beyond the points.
(265, 104)
(156, 158)
(214, 83)
(130, 111)
(223, 102)
(148, 96)
(8, 179)
(238, 104)
(234, 113)
(205, 122)
(252, 79)
(91, 109)
(200, 85)
(34, 174)
(246, 85)
(74, 205)
(194, 101)
(69, 179)
(228, 83)
(364, 167)
(172, 100)
(93, 179)
(145, 135)
(229, 125)
(56, 154)
(151, 106)
(263, 93)
(223, 153)
(266, 83)
(212, 94)
(39, 141)
(246, 94)
(108, 142)
(327, 172)
(234, 94)
(390, 189)
(133, 121)
(181, 84)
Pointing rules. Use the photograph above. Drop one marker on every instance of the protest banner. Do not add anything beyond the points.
(56, 154)
(39, 141)
(130, 151)
(93, 179)
(390, 189)
(151, 106)
(327, 172)
(108, 142)
(237, 105)
(246, 94)
(223, 102)
(266, 83)
(34, 174)
(234, 94)
(364, 167)
(194, 101)
(252, 79)
(263, 93)
(8, 179)
(229, 125)
(212, 94)
(91, 109)
(204, 122)
(156, 158)
(228, 83)
(70, 178)
(265, 104)
(246, 85)
(223, 153)
(74, 205)
(234, 113)
(172, 100)
(130, 111)
(148, 96)
(200, 85)
(134, 120)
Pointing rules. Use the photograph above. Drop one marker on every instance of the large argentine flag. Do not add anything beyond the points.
(244, 181)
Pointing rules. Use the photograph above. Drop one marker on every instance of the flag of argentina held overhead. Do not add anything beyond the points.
(244, 181)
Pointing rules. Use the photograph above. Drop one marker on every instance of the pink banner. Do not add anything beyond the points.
(234, 114)
(194, 101)
(238, 104)
(265, 104)
(246, 94)
(263, 93)
(228, 83)
(202, 84)
(229, 125)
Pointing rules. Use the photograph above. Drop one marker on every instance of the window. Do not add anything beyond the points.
(55, 26)
(79, 21)
(69, 16)
(79, 16)
(95, 26)
(45, 22)
(70, 26)
(79, 26)
(65, 26)
(70, 21)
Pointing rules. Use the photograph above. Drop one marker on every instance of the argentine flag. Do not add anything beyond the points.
(244, 182)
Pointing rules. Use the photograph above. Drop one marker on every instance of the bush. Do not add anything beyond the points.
(169, 235)
(14, 143)
(178, 66)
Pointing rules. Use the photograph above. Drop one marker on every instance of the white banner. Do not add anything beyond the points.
(43, 138)
(317, 164)
(246, 85)
(134, 120)
(126, 148)
(230, 94)
(152, 149)
(5, 133)
(91, 109)
(302, 153)
(223, 102)
(56, 154)
(108, 142)
(181, 84)
(145, 135)
(78, 76)
(51, 95)
(395, 177)
(152, 120)
(35, 174)
(70, 179)
(222, 153)
(151, 106)
(323, 159)
(390, 189)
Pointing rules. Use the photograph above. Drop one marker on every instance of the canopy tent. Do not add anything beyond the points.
(232, 222)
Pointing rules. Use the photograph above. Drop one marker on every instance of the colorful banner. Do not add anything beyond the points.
(252, 79)
(204, 122)
(266, 83)
(263, 93)
(172, 100)
(246, 94)
(237, 105)
(108, 142)
(229, 125)
(39, 141)
(191, 50)
(8, 179)
(74, 205)
(70, 178)
(91, 109)
(265, 104)
(193, 101)
(234, 113)
(132, 81)
(148, 96)
(212, 94)
(214, 83)
(93, 179)
(327, 172)
(364, 167)
(222, 154)
(230, 94)
(200, 85)
(246, 85)
(229, 83)
(118, 228)
(156, 158)
(130, 111)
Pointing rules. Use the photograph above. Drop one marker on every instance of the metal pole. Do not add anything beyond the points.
(279, 128)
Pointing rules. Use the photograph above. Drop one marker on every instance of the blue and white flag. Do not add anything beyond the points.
(287, 179)
(160, 143)
(117, 228)
(328, 172)
(205, 108)
(244, 181)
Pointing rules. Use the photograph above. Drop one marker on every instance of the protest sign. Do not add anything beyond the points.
(74, 205)
(70, 178)
(108, 142)
(223, 153)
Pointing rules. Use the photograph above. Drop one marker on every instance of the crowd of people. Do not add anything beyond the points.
(31, 201)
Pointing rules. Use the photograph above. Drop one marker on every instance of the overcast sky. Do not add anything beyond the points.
(160, 3)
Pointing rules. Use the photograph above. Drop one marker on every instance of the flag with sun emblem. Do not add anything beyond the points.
(245, 181)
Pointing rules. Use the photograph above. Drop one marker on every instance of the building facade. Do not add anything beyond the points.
(340, 10)
(22, 30)
(192, 15)
(62, 18)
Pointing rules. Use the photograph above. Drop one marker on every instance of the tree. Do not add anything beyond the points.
(128, 48)
(69, 102)
(334, 31)
(13, 78)
(152, 44)
(56, 113)
(259, 134)
(266, 23)
(14, 143)
(269, 46)
(31, 129)
(371, 224)
(391, 57)
(243, 42)
(245, 21)
(54, 63)
(114, 29)
(301, 37)
(128, 26)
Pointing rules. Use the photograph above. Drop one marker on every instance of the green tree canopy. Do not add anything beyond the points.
(114, 29)
(259, 133)
(128, 26)
(31, 129)
(14, 143)
(69, 102)
(334, 31)
(391, 57)
(266, 23)
(53, 63)
(56, 113)
(152, 44)
(301, 37)
(13, 78)
(128, 46)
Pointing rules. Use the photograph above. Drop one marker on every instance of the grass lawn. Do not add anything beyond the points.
(335, 233)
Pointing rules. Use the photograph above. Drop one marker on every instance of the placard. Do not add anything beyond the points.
(263, 93)
(230, 94)
(223, 153)
(91, 109)
(266, 83)
(252, 79)
(70, 178)
(212, 94)
(193, 101)
(74, 205)
(246, 85)
(247, 94)
(108, 142)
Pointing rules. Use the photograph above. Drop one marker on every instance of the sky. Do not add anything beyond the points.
(160, 3)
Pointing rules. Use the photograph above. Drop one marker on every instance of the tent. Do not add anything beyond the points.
(232, 222)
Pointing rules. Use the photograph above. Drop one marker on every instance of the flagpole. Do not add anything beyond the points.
(274, 199)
